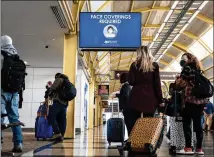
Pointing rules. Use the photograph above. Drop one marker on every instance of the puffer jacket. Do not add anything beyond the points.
(56, 87)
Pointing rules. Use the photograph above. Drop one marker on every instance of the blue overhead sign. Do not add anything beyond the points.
(110, 30)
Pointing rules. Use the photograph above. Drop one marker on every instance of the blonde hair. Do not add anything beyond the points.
(145, 59)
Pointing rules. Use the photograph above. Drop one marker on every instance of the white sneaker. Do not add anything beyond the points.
(186, 151)
(199, 152)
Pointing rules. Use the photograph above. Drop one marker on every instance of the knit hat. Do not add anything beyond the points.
(6, 40)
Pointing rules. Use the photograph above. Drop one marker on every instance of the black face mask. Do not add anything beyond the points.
(182, 62)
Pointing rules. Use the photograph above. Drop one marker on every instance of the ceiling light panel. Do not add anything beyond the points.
(175, 22)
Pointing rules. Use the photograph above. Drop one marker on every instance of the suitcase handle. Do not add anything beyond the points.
(112, 111)
(175, 107)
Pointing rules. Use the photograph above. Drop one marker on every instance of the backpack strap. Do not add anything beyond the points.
(6, 54)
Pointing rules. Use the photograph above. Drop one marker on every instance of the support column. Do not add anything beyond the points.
(96, 111)
(101, 115)
(91, 103)
(69, 69)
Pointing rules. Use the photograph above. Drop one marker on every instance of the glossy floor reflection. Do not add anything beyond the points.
(93, 143)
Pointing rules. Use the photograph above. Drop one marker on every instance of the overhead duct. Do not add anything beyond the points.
(59, 16)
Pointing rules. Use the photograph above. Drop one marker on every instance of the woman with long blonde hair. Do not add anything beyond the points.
(146, 94)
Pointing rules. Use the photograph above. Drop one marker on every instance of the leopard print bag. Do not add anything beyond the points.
(146, 135)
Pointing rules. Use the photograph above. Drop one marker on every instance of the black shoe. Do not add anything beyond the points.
(17, 148)
(57, 138)
(172, 150)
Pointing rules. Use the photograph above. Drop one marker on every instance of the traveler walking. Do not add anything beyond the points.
(194, 103)
(146, 93)
(123, 99)
(208, 115)
(62, 91)
(177, 140)
(12, 82)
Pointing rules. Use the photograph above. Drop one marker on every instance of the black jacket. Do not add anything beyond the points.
(123, 96)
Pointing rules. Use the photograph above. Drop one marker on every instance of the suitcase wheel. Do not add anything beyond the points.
(109, 143)
(37, 139)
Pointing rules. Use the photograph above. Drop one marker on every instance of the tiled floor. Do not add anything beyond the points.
(93, 143)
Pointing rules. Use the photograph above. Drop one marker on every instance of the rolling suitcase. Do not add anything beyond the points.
(42, 128)
(146, 136)
(115, 129)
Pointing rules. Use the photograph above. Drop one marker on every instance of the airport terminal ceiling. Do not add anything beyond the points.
(193, 33)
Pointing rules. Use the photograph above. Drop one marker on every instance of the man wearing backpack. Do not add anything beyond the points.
(62, 91)
(12, 81)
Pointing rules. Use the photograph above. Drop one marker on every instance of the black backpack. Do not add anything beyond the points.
(68, 91)
(13, 73)
(202, 87)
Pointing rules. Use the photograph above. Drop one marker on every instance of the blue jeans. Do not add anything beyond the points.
(10, 105)
(57, 117)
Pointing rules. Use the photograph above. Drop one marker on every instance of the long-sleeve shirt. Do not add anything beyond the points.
(209, 108)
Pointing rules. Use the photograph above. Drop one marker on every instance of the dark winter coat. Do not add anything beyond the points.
(146, 94)
(124, 95)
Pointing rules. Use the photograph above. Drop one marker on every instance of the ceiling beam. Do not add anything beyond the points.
(147, 38)
(163, 62)
(124, 58)
(151, 26)
(180, 47)
(89, 5)
(148, 17)
(68, 14)
(170, 55)
(103, 6)
(79, 9)
(203, 18)
(101, 58)
(115, 54)
(195, 37)
(131, 5)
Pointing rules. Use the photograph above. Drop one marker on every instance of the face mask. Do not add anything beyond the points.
(182, 62)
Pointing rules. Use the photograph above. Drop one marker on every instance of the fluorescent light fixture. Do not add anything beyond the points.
(163, 24)
(170, 45)
(203, 4)
(176, 37)
(156, 36)
(165, 51)
(174, 4)
(150, 46)
(168, 15)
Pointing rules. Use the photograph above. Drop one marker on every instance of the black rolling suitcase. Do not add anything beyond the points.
(115, 129)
